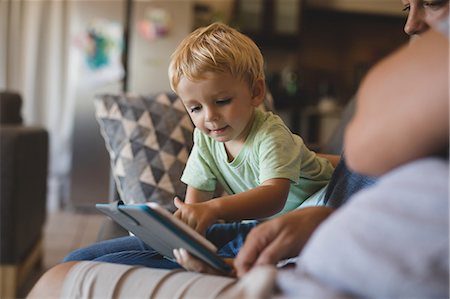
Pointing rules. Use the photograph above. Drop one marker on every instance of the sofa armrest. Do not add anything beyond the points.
(23, 189)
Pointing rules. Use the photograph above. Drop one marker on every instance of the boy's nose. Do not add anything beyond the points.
(211, 115)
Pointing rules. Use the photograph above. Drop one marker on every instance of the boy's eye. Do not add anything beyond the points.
(223, 101)
(195, 109)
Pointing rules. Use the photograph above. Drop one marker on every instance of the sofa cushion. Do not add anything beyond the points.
(10, 106)
(148, 139)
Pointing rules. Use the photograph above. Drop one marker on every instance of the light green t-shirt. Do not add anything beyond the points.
(270, 151)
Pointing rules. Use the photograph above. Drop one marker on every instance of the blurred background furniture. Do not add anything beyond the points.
(23, 190)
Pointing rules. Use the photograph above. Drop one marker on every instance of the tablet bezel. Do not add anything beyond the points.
(163, 232)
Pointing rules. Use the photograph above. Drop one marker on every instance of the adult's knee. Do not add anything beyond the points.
(51, 282)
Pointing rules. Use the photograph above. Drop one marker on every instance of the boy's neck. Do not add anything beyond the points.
(233, 147)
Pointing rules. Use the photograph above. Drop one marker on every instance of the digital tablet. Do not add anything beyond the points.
(162, 231)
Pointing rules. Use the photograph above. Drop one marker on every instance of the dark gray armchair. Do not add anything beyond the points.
(23, 191)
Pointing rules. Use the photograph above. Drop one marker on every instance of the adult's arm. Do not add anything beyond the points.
(397, 92)
(389, 241)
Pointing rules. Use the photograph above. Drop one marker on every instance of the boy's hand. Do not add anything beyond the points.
(191, 263)
(199, 216)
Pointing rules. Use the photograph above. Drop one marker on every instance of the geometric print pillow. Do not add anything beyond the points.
(149, 139)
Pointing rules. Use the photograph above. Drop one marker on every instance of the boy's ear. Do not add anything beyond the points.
(258, 92)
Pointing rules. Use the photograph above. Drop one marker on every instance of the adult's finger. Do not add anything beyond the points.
(255, 243)
(283, 246)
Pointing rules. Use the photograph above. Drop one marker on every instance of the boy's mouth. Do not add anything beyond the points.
(219, 131)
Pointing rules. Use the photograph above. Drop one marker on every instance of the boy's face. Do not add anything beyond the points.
(221, 106)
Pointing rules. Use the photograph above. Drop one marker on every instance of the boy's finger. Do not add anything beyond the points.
(177, 214)
(194, 264)
(176, 253)
(200, 228)
(189, 262)
(177, 202)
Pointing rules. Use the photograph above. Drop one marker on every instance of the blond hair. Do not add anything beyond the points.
(216, 48)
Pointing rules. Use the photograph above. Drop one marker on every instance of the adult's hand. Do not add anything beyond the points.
(279, 238)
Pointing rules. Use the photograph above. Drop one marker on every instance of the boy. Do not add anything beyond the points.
(266, 170)
(219, 75)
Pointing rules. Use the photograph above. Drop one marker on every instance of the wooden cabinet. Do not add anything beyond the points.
(270, 22)
(381, 7)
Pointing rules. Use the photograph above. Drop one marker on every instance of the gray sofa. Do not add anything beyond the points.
(23, 190)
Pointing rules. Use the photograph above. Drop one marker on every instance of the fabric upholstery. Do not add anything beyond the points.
(23, 182)
(148, 138)
(10, 105)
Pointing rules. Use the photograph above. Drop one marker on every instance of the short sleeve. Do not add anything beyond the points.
(279, 154)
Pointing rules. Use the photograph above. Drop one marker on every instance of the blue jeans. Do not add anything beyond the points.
(227, 237)
(344, 183)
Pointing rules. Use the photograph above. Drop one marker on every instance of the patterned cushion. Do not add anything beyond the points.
(148, 139)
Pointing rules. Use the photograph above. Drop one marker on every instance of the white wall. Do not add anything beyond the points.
(3, 42)
(148, 63)
(149, 60)
(89, 179)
